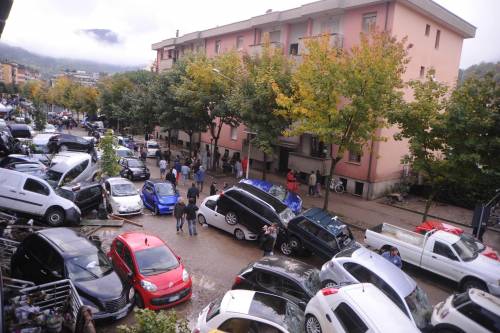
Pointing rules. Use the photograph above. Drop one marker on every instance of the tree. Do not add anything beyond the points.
(343, 97)
(37, 92)
(61, 93)
(109, 159)
(85, 100)
(111, 98)
(421, 122)
(149, 321)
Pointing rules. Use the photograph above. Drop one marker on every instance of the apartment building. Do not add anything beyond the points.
(434, 33)
(7, 76)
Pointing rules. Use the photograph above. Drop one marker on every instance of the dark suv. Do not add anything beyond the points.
(133, 168)
(318, 232)
(64, 142)
(86, 195)
(60, 253)
(252, 207)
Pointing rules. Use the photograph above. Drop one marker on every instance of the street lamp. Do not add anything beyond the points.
(249, 145)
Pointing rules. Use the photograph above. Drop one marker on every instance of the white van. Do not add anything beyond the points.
(71, 168)
(33, 196)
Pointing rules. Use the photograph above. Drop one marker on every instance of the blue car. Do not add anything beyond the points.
(159, 196)
(292, 200)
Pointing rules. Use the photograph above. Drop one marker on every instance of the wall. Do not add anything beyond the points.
(228, 42)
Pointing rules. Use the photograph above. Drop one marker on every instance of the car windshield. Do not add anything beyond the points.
(465, 250)
(164, 189)
(313, 282)
(53, 177)
(156, 260)
(88, 266)
(66, 194)
(419, 306)
(124, 153)
(153, 146)
(469, 239)
(123, 190)
(39, 149)
(286, 215)
(49, 127)
(135, 164)
(278, 192)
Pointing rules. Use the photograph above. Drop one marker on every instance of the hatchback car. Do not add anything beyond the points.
(65, 142)
(292, 200)
(151, 148)
(285, 277)
(86, 195)
(72, 167)
(210, 214)
(155, 271)
(159, 196)
(61, 253)
(472, 311)
(243, 311)
(133, 168)
(359, 265)
(20, 131)
(122, 197)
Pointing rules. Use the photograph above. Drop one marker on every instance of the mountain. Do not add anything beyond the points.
(48, 66)
(480, 70)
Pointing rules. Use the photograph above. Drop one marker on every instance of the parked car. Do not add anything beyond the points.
(71, 168)
(159, 196)
(151, 148)
(209, 214)
(30, 195)
(358, 307)
(17, 158)
(32, 168)
(157, 274)
(64, 142)
(246, 205)
(473, 311)
(357, 264)
(7, 143)
(49, 128)
(122, 197)
(123, 152)
(316, 231)
(292, 200)
(133, 168)
(250, 311)
(20, 131)
(61, 253)
(86, 195)
(440, 252)
(285, 277)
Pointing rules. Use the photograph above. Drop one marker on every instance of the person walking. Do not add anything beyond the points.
(158, 157)
(269, 239)
(178, 167)
(244, 165)
(193, 192)
(185, 173)
(179, 214)
(238, 168)
(393, 257)
(213, 188)
(190, 212)
(170, 176)
(312, 183)
(317, 190)
(200, 177)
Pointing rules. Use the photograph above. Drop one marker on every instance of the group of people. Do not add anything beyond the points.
(183, 212)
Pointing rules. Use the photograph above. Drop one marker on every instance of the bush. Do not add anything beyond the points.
(148, 321)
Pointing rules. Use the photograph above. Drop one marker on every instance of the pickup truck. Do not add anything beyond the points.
(440, 252)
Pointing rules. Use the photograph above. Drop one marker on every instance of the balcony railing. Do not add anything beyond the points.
(335, 40)
(257, 48)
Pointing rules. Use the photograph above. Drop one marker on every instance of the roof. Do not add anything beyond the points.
(485, 300)
(63, 162)
(324, 219)
(19, 127)
(118, 180)
(237, 301)
(158, 181)
(276, 204)
(426, 7)
(68, 241)
(140, 241)
(445, 236)
(42, 139)
(288, 266)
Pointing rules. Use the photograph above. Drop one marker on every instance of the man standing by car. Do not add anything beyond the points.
(393, 257)
(312, 183)
(190, 212)
(200, 177)
(179, 208)
(269, 239)
(163, 168)
(193, 193)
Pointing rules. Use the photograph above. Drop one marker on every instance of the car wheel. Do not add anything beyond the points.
(473, 283)
(294, 242)
(312, 325)
(55, 217)
(202, 220)
(63, 148)
(155, 210)
(231, 218)
(239, 234)
(139, 302)
(286, 249)
(329, 284)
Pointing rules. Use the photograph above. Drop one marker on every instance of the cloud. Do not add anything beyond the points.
(104, 36)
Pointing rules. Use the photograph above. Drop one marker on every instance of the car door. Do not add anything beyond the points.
(308, 235)
(442, 260)
(327, 244)
(42, 263)
(129, 264)
(148, 194)
(35, 196)
(117, 258)
(293, 291)
(10, 185)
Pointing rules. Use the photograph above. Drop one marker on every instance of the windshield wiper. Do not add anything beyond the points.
(86, 270)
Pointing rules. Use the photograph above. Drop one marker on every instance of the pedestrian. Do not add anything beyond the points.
(163, 168)
(269, 239)
(146, 136)
(317, 190)
(158, 156)
(225, 186)
(193, 192)
(185, 173)
(217, 158)
(144, 155)
(244, 165)
(393, 256)
(213, 188)
(200, 177)
(190, 212)
(178, 167)
(179, 214)
(291, 182)
(312, 183)
(171, 177)
(239, 169)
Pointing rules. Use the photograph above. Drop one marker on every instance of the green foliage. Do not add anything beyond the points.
(40, 119)
(109, 159)
(149, 321)
(481, 70)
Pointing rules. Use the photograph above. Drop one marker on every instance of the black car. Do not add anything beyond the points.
(7, 142)
(64, 142)
(252, 207)
(87, 195)
(20, 131)
(318, 232)
(61, 253)
(133, 168)
(285, 277)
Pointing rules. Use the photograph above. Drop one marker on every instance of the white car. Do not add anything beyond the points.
(358, 307)
(122, 198)
(250, 311)
(72, 167)
(123, 152)
(208, 214)
(49, 128)
(151, 148)
(474, 311)
(359, 265)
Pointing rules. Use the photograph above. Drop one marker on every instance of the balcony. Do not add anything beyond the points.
(166, 64)
(306, 164)
(336, 41)
(257, 48)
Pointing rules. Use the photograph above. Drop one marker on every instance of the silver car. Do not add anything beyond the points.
(71, 168)
(358, 264)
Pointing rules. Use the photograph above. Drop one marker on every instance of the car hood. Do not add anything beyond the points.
(294, 202)
(485, 266)
(167, 280)
(138, 169)
(107, 287)
(130, 200)
(168, 199)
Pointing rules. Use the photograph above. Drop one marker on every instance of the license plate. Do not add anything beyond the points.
(121, 315)
(347, 241)
(174, 298)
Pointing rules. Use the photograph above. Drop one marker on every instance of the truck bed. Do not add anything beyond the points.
(398, 233)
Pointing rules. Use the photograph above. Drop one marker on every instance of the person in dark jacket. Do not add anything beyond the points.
(190, 212)
(269, 239)
(179, 214)
(213, 188)
(193, 193)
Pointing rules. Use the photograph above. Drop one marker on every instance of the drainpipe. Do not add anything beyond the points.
(386, 15)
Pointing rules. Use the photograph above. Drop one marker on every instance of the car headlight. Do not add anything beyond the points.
(149, 286)
(185, 275)
(131, 294)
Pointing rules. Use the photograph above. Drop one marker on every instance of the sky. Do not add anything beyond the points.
(122, 31)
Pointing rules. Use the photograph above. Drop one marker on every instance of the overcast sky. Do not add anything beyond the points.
(127, 28)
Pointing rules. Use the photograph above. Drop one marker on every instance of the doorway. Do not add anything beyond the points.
(283, 161)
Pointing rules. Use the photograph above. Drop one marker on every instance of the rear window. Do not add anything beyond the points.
(214, 308)
(277, 310)
(349, 319)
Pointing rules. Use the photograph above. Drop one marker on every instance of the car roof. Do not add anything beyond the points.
(139, 241)
(324, 219)
(18, 126)
(152, 142)
(158, 181)
(131, 157)
(42, 138)
(118, 180)
(287, 266)
(68, 241)
(485, 300)
(67, 160)
(276, 204)
(445, 236)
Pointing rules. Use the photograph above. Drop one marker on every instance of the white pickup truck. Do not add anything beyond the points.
(440, 252)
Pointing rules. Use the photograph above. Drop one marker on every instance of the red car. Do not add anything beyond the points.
(156, 272)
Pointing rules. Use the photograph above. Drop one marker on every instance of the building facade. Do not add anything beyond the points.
(434, 34)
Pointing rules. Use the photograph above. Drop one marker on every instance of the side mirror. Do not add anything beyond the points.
(302, 305)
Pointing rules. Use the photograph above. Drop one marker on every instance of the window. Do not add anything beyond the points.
(354, 157)
(119, 248)
(275, 36)
(75, 172)
(211, 204)
(481, 316)
(267, 281)
(236, 325)
(328, 238)
(217, 46)
(239, 42)
(290, 288)
(36, 187)
(422, 72)
(444, 250)
(127, 257)
(318, 148)
(309, 227)
(294, 49)
(234, 133)
(349, 320)
(438, 37)
(427, 29)
(369, 21)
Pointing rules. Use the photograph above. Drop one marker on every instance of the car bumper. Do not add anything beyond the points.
(158, 301)
(494, 289)
(141, 176)
(72, 216)
(129, 213)
(113, 315)
(166, 209)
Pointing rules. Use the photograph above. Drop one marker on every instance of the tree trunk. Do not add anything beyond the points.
(264, 168)
(327, 183)
(214, 159)
(190, 144)
(428, 204)
(169, 137)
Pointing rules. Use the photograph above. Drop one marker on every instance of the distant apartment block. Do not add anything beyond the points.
(12, 73)
(81, 77)
(434, 33)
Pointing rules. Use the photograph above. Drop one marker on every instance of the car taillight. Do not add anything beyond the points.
(238, 279)
(329, 291)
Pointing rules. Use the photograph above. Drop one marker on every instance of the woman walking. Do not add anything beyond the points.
(179, 214)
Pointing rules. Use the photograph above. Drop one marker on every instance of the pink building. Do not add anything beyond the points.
(435, 34)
